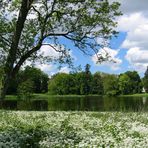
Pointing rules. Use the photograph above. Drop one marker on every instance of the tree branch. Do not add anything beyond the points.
(39, 15)
(52, 47)
(6, 41)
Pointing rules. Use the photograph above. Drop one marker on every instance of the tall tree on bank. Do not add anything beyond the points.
(97, 84)
(88, 79)
(27, 25)
(135, 82)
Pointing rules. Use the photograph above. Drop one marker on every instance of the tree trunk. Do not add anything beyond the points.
(9, 66)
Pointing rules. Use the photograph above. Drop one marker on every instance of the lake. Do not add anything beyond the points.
(78, 103)
(98, 103)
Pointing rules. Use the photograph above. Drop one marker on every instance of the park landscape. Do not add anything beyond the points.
(81, 108)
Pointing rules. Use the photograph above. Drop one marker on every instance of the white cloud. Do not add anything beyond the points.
(64, 70)
(131, 6)
(131, 21)
(47, 50)
(113, 63)
(137, 58)
(136, 39)
(135, 23)
(49, 67)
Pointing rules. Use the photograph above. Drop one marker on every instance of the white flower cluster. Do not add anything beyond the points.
(73, 129)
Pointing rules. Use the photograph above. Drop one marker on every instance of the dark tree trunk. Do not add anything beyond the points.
(8, 70)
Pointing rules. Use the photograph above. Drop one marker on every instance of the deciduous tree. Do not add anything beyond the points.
(97, 84)
(27, 25)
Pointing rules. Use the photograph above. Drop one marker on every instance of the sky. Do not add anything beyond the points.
(129, 49)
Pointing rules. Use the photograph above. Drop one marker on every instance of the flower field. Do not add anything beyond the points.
(22, 129)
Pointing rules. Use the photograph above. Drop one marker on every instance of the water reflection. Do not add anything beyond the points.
(95, 103)
(144, 100)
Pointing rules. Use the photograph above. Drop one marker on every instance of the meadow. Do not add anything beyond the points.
(59, 129)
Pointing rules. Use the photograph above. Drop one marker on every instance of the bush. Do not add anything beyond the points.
(112, 93)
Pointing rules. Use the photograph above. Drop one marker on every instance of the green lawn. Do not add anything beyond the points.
(48, 96)
(73, 129)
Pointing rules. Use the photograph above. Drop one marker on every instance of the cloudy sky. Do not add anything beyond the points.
(129, 49)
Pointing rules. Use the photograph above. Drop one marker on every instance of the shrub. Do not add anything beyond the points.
(112, 93)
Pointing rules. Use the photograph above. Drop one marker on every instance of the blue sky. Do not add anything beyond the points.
(129, 49)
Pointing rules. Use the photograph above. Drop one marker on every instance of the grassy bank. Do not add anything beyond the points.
(48, 96)
(73, 129)
(136, 95)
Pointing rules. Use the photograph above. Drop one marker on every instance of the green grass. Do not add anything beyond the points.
(11, 97)
(136, 95)
(48, 96)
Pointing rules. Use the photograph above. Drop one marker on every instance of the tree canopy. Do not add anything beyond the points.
(27, 25)
(30, 75)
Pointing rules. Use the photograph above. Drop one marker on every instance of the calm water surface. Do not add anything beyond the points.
(95, 103)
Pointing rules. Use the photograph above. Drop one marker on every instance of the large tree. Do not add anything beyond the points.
(124, 84)
(135, 85)
(97, 84)
(110, 84)
(38, 77)
(87, 79)
(26, 25)
(61, 84)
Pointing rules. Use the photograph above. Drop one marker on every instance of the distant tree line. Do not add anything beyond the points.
(33, 80)
(84, 83)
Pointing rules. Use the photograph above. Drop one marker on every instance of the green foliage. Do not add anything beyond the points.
(130, 83)
(97, 84)
(110, 84)
(84, 83)
(135, 82)
(25, 90)
(76, 20)
(39, 79)
(79, 83)
(80, 22)
(124, 84)
(87, 80)
(74, 83)
(61, 84)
